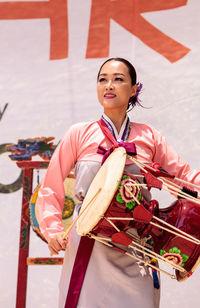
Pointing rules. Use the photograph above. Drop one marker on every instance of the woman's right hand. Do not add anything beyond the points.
(57, 243)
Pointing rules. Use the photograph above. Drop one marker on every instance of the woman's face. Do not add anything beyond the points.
(114, 87)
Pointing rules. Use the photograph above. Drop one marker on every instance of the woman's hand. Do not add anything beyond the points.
(57, 243)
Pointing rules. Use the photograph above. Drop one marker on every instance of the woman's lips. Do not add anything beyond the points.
(109, 95)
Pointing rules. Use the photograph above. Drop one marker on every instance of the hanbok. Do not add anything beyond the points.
(112, 279)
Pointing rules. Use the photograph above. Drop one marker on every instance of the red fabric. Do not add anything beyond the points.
(152, 181)
(78, 273)
(121, 238)
(119, 249)
(141, 214)
(129, 146)
(107, 133)
(159, 171)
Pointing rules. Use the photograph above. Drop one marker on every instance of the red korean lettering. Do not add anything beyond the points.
(54, 10)
(127, 13)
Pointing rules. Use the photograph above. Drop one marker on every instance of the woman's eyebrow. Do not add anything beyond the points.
(104, 74)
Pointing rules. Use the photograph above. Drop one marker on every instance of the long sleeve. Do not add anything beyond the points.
(152, 147)
(51, 194)
(79, 143)
(168, 158)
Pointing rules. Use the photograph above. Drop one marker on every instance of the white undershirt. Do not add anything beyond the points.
(120, 134)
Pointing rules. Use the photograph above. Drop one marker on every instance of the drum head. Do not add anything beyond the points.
(105, 182)
(69, 204)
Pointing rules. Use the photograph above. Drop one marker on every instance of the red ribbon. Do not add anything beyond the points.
(129, 146)
(78, 273)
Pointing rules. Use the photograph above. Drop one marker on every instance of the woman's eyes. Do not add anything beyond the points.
(116, 79)
(102, 79)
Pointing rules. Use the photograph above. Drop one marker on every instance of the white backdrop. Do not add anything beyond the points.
(45, 96)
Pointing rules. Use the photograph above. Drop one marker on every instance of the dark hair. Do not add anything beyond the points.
(132, 72)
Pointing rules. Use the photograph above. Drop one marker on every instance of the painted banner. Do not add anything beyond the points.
(50, 52)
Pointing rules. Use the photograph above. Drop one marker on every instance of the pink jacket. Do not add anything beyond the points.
(80, 143)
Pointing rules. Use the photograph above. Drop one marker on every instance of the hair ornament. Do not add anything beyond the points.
(139, 88)
(134, 100)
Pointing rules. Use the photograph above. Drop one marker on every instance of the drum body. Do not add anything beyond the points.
(184, 215)
(121, 206)
(110, 207)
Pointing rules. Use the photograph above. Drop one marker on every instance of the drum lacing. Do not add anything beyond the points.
(144, 241)
(115, 227)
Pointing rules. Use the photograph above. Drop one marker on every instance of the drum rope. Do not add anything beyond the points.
(101, 240)
(135, 257)
(151, 254)
(141, 241)
(174, 190)
(178, 232)
(145, 251)
(112, 224)
(151, 265)
(186, 237)
(142, 166)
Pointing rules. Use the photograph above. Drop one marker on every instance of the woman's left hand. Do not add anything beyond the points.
(57, 243)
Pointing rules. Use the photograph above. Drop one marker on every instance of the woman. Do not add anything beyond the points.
(111, 279)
